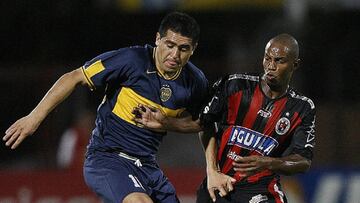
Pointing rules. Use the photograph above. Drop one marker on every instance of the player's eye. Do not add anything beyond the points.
(170, 46)
(280, 61)
(184, 49)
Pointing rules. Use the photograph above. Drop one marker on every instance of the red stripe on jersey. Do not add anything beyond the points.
(228, 163)
(233, 105)
(295, 121)
(279, 106)
(224, 139)
(256, 177)
(255, 105)
(233, 108)
(278, 195)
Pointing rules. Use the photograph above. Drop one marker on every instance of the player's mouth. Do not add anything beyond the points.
(269, 76)
(171, 63)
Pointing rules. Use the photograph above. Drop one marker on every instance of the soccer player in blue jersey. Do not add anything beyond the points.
(120, 163)
(256, 127)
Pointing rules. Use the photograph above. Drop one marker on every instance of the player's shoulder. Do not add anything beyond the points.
(237, 78)
(296, 95)
(139, 49)
(244, 77)
(231, 83)
(131, 51)
(135, 53)
(195, 73)
(114, 54)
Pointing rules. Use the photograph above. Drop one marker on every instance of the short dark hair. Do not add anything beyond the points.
(180, 23)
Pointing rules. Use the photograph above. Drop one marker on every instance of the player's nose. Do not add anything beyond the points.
(175, 54)
(271, 66)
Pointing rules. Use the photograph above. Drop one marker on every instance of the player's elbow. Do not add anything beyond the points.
(77, 76)
(301, 167)
(307, 165)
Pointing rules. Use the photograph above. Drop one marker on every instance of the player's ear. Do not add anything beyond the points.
(194, 47)
(157, 40)
(296, 64)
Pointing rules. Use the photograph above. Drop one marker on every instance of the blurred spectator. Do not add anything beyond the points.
(72, 145)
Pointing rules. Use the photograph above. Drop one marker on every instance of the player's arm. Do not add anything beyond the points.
(297, 157)
(27, 125)
(154, 119)
(216, 181)
(288, 165)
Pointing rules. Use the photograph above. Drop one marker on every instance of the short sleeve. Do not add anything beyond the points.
(215, 104)
(303, 140)
(200, 93)
(108, 68)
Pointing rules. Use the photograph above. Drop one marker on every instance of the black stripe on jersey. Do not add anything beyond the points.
(261, 121)
(223, 157)
(285, 140)
(244, 152)
(245, 103)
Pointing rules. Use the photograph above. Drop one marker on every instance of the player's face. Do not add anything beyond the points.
(173, 51)
(278, 64)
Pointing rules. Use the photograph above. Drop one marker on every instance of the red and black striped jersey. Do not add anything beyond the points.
(250, 123)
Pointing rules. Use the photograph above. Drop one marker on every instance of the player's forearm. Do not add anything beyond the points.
(209, 145)
(61, 89)
(183, 125)
(210, 154)
(290, 165)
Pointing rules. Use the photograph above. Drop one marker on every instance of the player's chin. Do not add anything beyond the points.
(272, 82)
(172, 69)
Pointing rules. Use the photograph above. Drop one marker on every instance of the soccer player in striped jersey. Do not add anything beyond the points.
(120, 164)
(255, 128)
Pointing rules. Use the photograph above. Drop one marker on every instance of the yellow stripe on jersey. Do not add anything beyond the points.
(88, 81)
(174, 77)
(92, 70)
(128, 99)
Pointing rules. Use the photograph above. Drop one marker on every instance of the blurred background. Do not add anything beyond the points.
(42, 39)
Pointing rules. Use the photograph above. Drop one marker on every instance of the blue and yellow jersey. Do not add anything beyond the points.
(130, 77)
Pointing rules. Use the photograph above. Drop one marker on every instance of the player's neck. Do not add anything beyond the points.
(273, 92)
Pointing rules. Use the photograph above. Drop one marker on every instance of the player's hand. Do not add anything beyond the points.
(251, 164)
(219, 182)
(148, 117)
(18, 131)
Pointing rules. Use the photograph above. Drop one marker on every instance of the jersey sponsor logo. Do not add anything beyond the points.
(165, 93)
(258, 198)
(232, 155)
(282, 126)
(252, 140)
(264, 113)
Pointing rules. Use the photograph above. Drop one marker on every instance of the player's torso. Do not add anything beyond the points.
(255, 124)
(143, 85)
